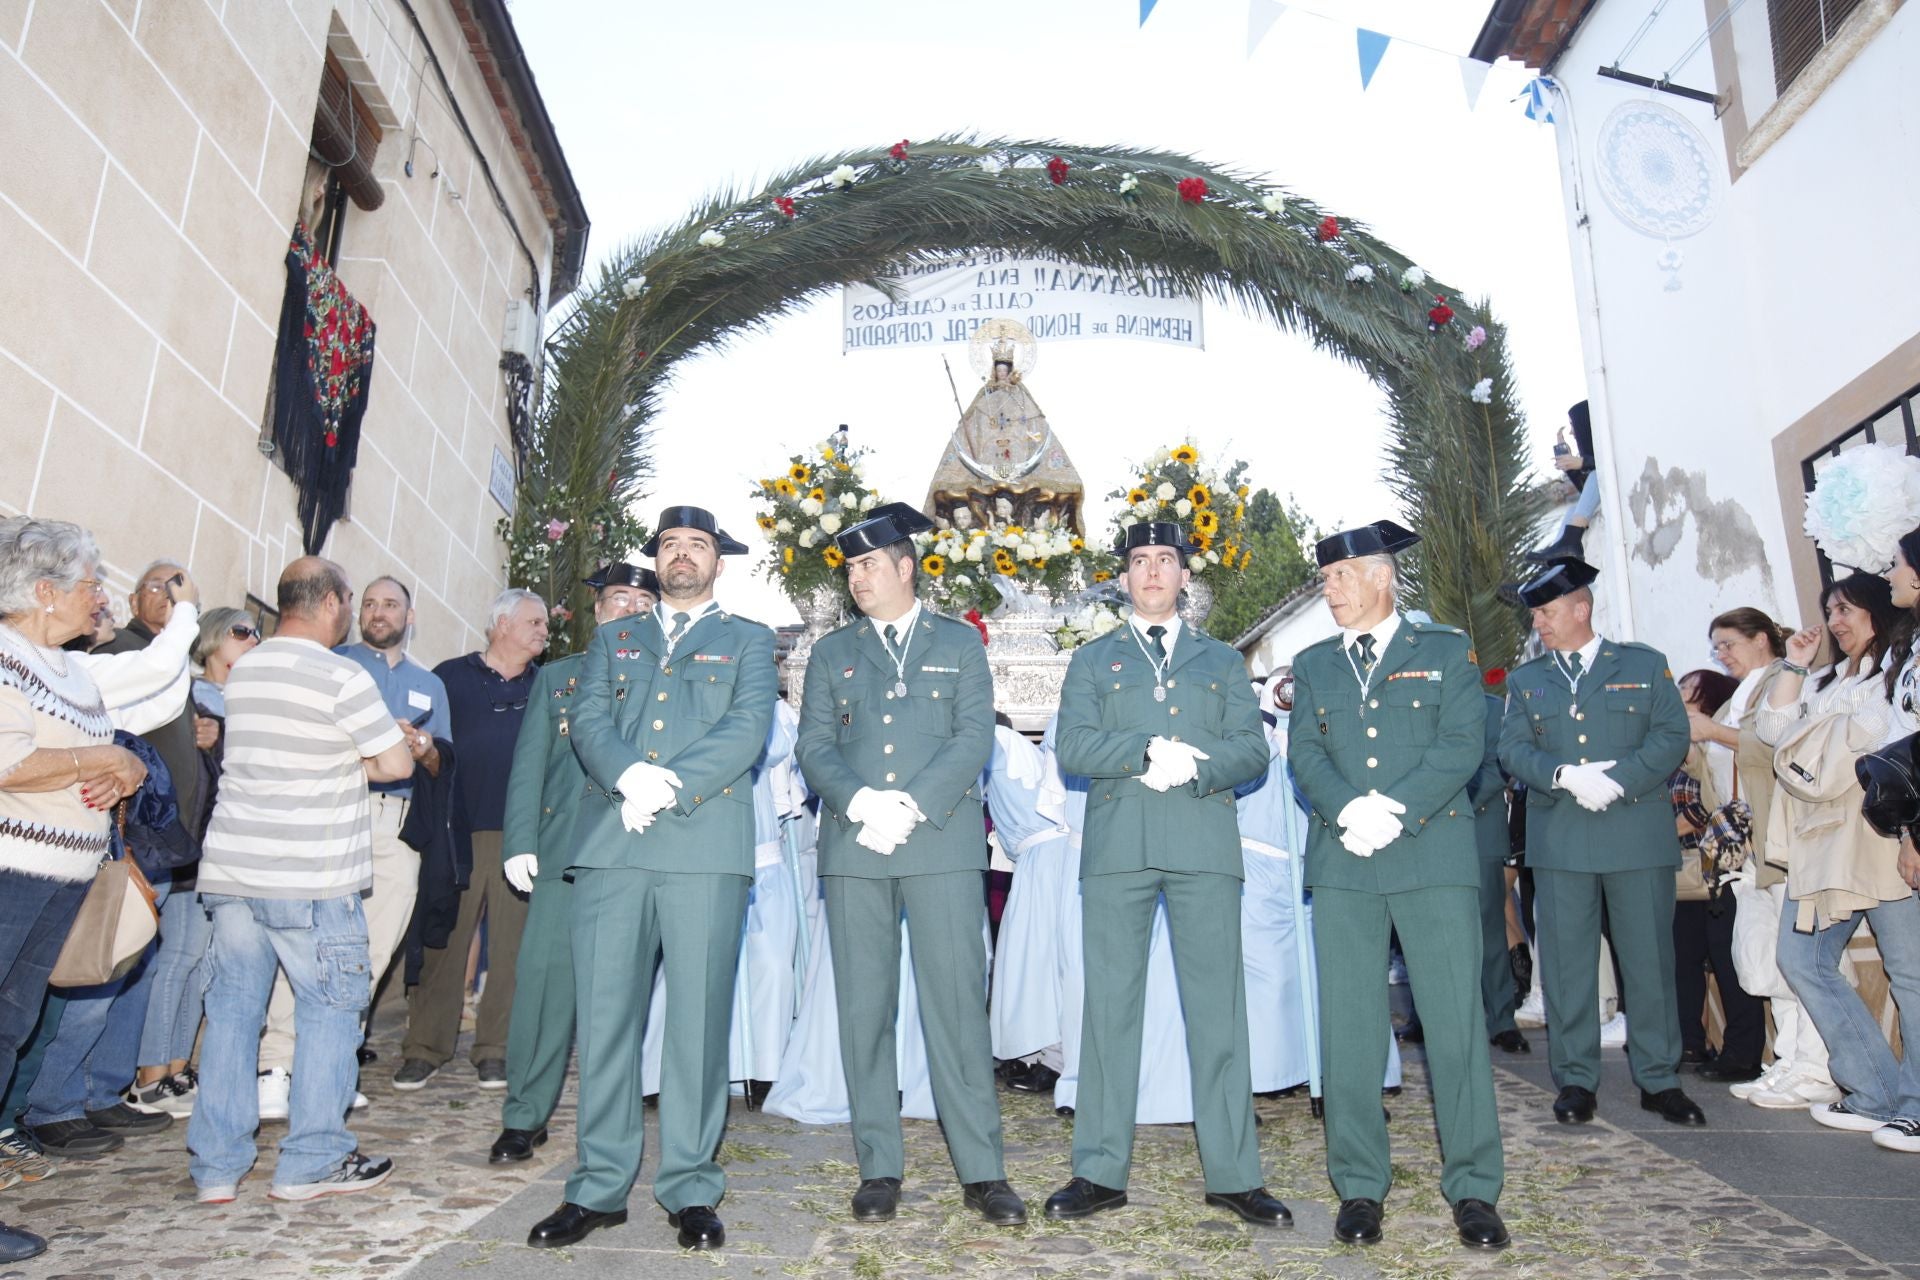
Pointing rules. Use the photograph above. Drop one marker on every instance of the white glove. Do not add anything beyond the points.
(634, 818)
(873, 840)
(1358, 846)
(520, 870)
(1372, 819)
(1157, 775)
(891, 815)
(647, 788)
(1589, 784)
(1180, 760)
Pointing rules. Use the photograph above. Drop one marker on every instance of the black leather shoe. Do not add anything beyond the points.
(1511, 1041)
(1480, 1225)
(1695, 1057)
(1038, 1078)
(1065, 1113)
(996, 1202)
(515, 1145)
(1259, 1206)
(1728, 1072)
(77, 1139)
(17, 1245)
(1358, 1222)
(1574, 1105)
(876, 1200)
(700, 1227)
(1082, 1199)
(756, 1094)
(121, 1118)
(1413, 1033)
(1673, 1106)
(569, 1224)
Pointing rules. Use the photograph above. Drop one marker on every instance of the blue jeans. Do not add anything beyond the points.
(1860, 1058)
(35, 915)
(179, 982)
(322, 945)
(96, 1038)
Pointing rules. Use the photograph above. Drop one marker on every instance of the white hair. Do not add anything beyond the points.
(506, 602)
(158, 564)
(34, 551)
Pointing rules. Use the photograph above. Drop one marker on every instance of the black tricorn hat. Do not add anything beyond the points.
(1891, 780)
(693, 518)
(1153, 533)
(1382, 537)
(1562, 577)
(623, 575)
(886, 524)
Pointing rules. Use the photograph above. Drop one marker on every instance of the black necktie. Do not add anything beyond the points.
(1364, 647)
(1573, 665)
(680, 621)
(1155, 634)
(893, 639)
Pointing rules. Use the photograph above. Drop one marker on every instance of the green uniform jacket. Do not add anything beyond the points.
(1488, 791)
(544, 788)
(1628, 711)
(932, 744)
(1108, 715)
(703, 714)
(1418, 736)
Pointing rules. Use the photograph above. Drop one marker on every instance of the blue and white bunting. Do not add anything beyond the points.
(1261, 15)
(1536, 93)
(1373, 47)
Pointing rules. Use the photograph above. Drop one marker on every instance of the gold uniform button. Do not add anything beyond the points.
(1416, 702)
(696, 799)
(660, 696)
(887, 750)
(1583, 737)
(1372, 732)
(1171, 683)
(1372, 763)
(1173, 711)
(1374, 703)
(1116, 684)
(726, 791)
(659, 724)
(666, 671)
(889, 695)
(936, 693)
(1176, 737)
(623, 677)
(886, 719)
(1583, 759)
(653, 755)
(889, 777)
(712, 679)
(1578, 715)
(548, 809)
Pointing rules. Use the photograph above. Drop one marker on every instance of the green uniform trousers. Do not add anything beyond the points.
(1203, 916)
(1496, 965)
(1640, 917)
(540, 1032)
(1439, 935)
(946, 920)
(624, 921)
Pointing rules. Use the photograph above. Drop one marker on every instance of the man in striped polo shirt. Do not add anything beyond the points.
(285, 860)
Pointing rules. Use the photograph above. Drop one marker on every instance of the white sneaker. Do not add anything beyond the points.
(223, 1193)
(1613, 1032)
(359, 1102)
(1532, 1012)
(1836, 1115)
(356, 1173)
(1767, 1079)
(1898, 1135)
(169, 1094)
(275, 1086)
(1795, 1092)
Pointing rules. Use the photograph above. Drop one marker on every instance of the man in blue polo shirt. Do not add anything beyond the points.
(417, 700)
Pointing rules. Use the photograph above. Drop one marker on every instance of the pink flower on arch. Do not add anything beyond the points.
(557, 529)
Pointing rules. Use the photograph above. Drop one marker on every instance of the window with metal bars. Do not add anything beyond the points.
(1800, 29)
(1897, 423)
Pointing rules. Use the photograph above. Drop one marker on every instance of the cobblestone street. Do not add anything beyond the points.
(1582, 1201)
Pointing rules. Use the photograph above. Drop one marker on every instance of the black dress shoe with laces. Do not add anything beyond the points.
(1574, 1105)
(876, 1200)
(1259, 1206)
(515, 1145)
(997, 1202)
(1673, 1106)
(1358, 1222)
(700, 1227)
(1038, 1078)
(569, 1224)
(1480, 1225)
(1724, 1072)
(1511, 1041)
(1082, 1199)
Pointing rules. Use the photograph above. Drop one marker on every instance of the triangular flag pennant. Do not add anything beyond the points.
(1473, 77)
(1146, 8)
(1536, 95)
(1373, 47)
(1261, 15)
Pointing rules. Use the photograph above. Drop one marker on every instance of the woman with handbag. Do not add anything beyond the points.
(1702, 912)
(60, 778)
(1839, 869)
(1903, 721)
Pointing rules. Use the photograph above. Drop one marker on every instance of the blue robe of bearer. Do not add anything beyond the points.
(1027, 802)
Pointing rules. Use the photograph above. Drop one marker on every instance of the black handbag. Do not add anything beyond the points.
(1891, 780)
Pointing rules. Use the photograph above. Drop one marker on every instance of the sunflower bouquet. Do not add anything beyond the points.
(819, 493)
(1178, 487)
(963, 569)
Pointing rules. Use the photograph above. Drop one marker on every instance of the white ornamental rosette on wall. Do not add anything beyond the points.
(1658, 175)
(1862, 503)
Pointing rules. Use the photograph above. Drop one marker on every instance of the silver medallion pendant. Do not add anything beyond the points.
(900, 689)
(1159, 693)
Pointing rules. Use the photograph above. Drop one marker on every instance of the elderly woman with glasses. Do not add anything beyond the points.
(60, 776)
(166, 1079)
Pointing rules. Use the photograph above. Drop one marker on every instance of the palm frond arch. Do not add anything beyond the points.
(739, 260)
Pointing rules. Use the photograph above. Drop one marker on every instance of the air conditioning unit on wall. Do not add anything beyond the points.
(522, 331)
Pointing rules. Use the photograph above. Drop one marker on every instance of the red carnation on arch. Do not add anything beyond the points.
(898, 150)
(973, 616)
(1440, 313)
(1057, 170)
(1192, 190)
(1329, 229)
(784, 204)
(1494, 677)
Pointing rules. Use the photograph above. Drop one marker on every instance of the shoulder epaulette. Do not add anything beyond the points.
(1441, 627)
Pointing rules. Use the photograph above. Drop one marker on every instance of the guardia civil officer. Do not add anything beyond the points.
(1389, 726)
(1594, 727)
(543, 798)
(670, 714)
(895, 727)
(1160, 719)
